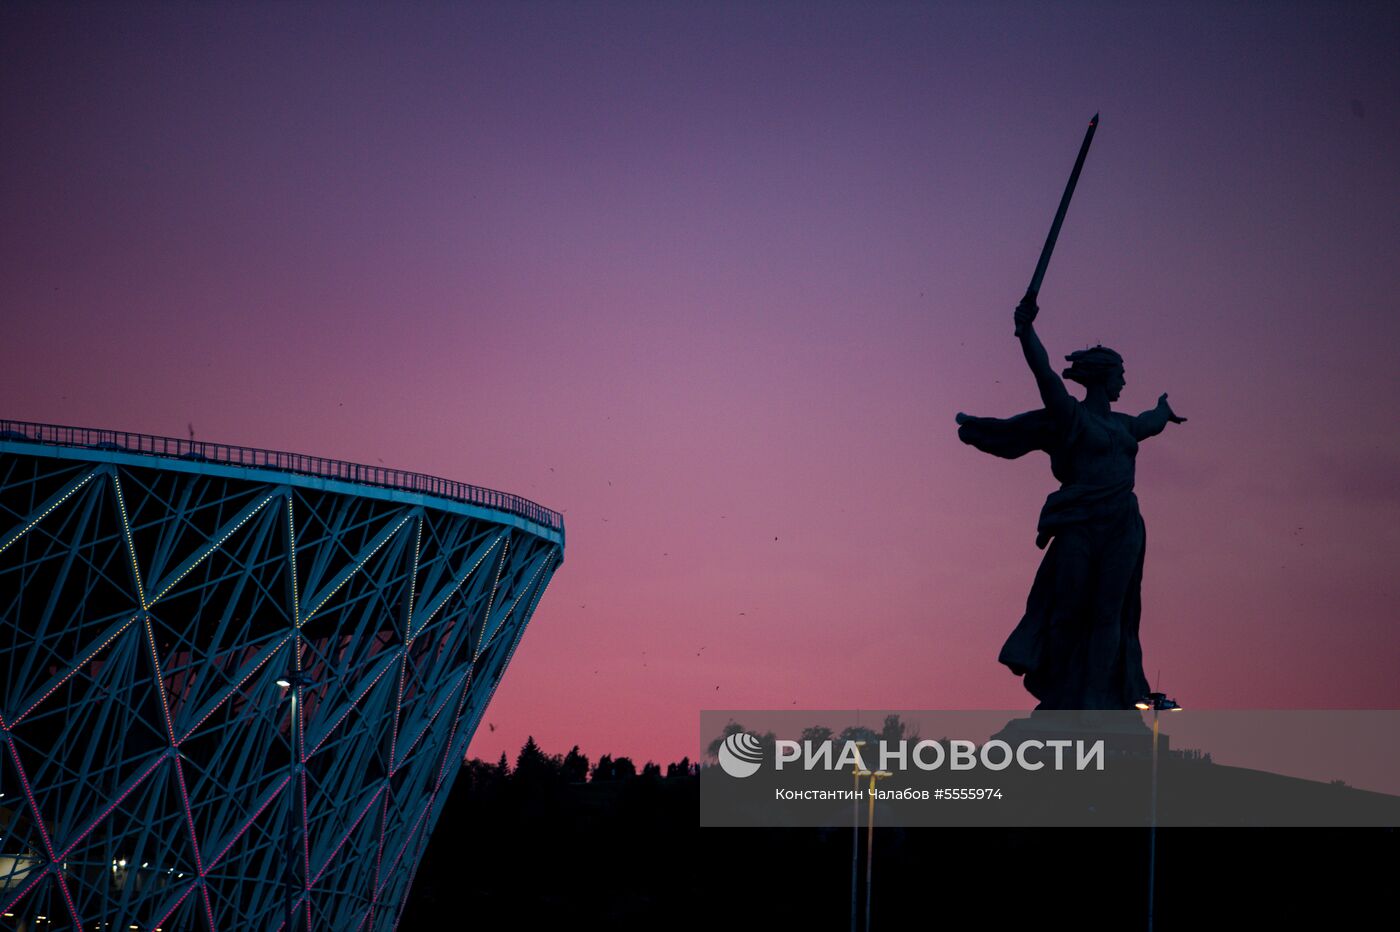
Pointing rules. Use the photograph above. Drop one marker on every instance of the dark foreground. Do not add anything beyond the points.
(538, 846)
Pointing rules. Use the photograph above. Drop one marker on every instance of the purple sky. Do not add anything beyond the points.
(704, 278)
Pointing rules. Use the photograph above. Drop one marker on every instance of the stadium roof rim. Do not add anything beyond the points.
(198, 456)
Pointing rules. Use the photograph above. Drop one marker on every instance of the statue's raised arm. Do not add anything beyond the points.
(1052, 390)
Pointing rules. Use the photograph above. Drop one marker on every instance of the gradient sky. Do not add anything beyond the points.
(714, 279)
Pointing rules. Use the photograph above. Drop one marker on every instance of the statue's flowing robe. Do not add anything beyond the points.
(1077, 644)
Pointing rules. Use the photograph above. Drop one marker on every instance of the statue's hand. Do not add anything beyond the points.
(1025, 313)
(962, 418)
(1171, 415)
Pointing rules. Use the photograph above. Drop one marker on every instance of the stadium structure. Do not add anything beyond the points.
(236, 684)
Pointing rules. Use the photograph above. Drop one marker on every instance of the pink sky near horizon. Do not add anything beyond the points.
(704, 278)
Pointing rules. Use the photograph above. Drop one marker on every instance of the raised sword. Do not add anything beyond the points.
(1049, 247)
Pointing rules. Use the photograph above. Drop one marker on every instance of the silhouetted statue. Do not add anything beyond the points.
(1077, 645)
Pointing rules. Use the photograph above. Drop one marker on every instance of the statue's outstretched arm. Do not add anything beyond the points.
(1057, 400)
(1151, 423)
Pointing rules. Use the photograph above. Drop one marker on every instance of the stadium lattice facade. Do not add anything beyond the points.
(236, 685)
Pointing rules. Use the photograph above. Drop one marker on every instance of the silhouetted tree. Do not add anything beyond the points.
(624, 769)
(532, 766)
(603, 771)
(730, 728)
(482, 777)
(574, 769)
(859, 733)
(766, 741)
(681, 768)
(651, 771)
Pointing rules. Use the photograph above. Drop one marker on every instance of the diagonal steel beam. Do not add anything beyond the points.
(216, 541)
(319, 600)
(50, 503)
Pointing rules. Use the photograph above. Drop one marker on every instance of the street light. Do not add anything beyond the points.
(870, 837)
(294, 681)
(855, 831)
(1157, 702)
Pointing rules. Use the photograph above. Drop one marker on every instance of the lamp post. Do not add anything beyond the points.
(294, 681)
(855, 834)
(870, 837)
(1157, 702)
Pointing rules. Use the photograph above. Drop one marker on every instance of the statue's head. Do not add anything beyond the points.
(1097, 365)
